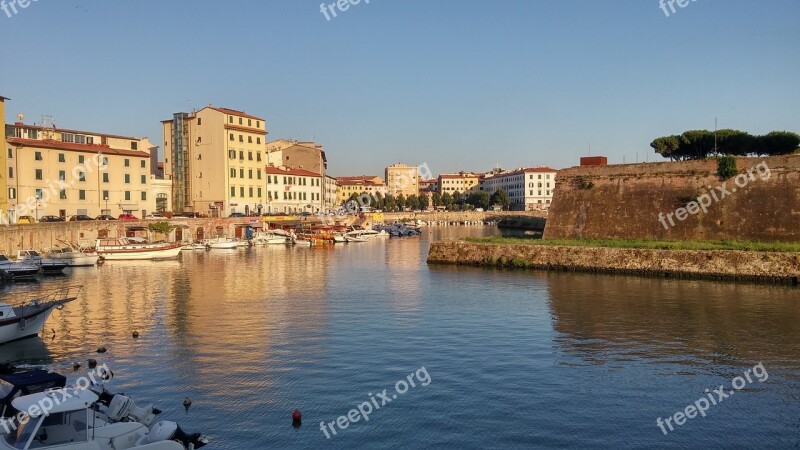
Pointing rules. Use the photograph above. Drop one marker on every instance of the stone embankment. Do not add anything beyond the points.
(773, 267)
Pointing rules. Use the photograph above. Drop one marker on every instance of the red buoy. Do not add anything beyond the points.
(297, 416)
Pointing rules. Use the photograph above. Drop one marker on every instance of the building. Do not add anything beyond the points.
(62, 172)
(428, 188)
(529, 189)
(304, 155)
(329, 193)
(364, 184)
(215, 159)
(293, 191)
(402, 179)
(594, 161)
(461, 182)
(5, 212)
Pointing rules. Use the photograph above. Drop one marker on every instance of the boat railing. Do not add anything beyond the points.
(52, 294)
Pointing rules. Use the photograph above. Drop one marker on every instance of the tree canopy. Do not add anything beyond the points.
(699, 144)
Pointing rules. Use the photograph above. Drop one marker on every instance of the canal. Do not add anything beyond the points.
(469, 357)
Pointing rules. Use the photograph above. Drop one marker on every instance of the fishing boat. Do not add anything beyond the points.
(221, 243)
(72, 257)
(48, 266)
(14, 271)
(118, 249)
(26, 320)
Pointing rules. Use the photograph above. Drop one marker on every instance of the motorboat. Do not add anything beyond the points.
(242, 243)
(266, 238)
(72, 257)
(48, 266)
(27, 319)
(26, 382)
(197, 245)
(221, 243)
(118, 249)
(339, 238)
(350, 239)
(14, 271)
(367, 234)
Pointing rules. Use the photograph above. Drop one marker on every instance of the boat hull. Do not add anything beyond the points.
(140, 254)
(29, 321)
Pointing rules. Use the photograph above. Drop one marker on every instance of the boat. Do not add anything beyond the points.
(26, 382)
(265, 238)
(27, 319)
(48, 266)
(242, 243)
(118, 249)
(197, 245)
(350, 239)
(15, 271)
(72, 257)
(221, 243)
(367, 234)
(339, 238)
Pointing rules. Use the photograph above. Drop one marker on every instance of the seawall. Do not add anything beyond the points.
(633, 201)
(775, 267)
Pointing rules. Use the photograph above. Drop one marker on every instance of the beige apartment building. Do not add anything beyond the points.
(365, 184)
(215, 158)
(402, 179)
(60, 172)
(4, 210)
(293, 191)
(461, 182)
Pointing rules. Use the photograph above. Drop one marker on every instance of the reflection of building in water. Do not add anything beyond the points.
(602, 318)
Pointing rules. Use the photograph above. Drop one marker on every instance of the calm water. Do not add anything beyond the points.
(515, 359)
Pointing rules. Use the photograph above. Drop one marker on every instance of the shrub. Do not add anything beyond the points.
(726, 167)
(582, 183)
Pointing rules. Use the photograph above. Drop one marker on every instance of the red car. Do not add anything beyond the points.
(127, 217)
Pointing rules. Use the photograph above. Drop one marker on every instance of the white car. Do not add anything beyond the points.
(154, 217)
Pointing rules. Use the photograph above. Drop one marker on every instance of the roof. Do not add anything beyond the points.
(234, 112)
(522, 171)
(458, 175)
(4, 98)
(73, 147)
(298, 172)
(361, 178)
(539, 169)
(69, 399)
(66, 130)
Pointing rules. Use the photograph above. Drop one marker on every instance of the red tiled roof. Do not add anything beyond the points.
(65, 130)
(297, 172)
(73, 147)
(4, 98)
(458, 175)
(245, 129)
(234, 112)
(539, 169)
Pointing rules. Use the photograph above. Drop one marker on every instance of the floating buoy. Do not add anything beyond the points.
(186, 402)
(101, 350)
(76, 365)
(92, 363)
(297, 418)
(135, 334)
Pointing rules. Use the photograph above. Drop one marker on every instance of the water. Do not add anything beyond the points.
(515, 359)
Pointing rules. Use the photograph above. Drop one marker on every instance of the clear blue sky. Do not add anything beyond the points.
(460, 85)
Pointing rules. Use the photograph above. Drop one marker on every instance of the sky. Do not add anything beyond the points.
(454, 84)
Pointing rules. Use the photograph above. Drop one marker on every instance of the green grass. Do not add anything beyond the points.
(646, 244)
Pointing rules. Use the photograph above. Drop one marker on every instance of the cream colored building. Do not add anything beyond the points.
(402, 179)
(461, 182)
(529, 189)
(61, 172)
(329, 193)
(293, 190)
(4, 210)
(215, 159)
(365, 184)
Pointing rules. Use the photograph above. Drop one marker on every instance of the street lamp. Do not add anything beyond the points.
(106, 199)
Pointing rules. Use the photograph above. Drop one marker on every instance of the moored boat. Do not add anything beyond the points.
(27, 319)
(266, 238)
(118, 249)
(221, 243)
(197, 245)
(72, 257)
(48, 266)
(15, 271)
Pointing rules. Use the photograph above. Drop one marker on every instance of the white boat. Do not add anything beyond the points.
(27, 319)
(339, 238)
(194, 246)
(264, 238)
(367, 234)
(48, 266)
(72, 423)
(73, 258)
(221, 243)
(118, 249)
(242, 243)
(350, 239)
(13, 270)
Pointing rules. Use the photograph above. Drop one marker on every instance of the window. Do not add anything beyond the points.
(250, 192)
(231, 153)
(127, 178)
(258, 140)
(11, 153)
(144, 196)
(240, 121)
(241, 155)
(199, 121)
(10, 172)
(127, 162)
(128, 195)
(105, 195)
(258, 172)
(81, 194)
(144, 179)
(67, 137)
(249, 139)
(241, 172)
(143, 164)
(105, 160)
(90, 140)
(12, 193)
(250, 173)
(37, 156)
(82, 176)
(61, 158)
(269, 178)
(231, 137)
(233, 191)
(259, 192)
(258, 124)
(258, 155)
(38, 174)
(105, 177)
(233, 173)
(38, 193)
(81, 159)
(249, 156)
(62, 194)
(62, 175)
(33, 134)
(230, 119)
(134, 146)
(241, 138)
(80, 139)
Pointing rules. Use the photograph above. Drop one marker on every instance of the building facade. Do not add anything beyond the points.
(329, 194)
(461, 182)
(293, 191)
(364, 184)
(61, 172)
(4, 210)
(215, 159)
(529, 189)
(402, 179)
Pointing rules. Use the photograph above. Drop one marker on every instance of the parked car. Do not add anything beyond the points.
(154, 217)
(478, 209)
(191, 215)
(51, 219)
(127, 216)
(26, 219)
(237, 214)
(105, 217)
(79, 217)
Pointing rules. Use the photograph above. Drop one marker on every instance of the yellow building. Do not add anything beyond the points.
(4, 211)
(459, 182)
(215, 158)
(60, 172)
(402, 179)
(365, 184)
